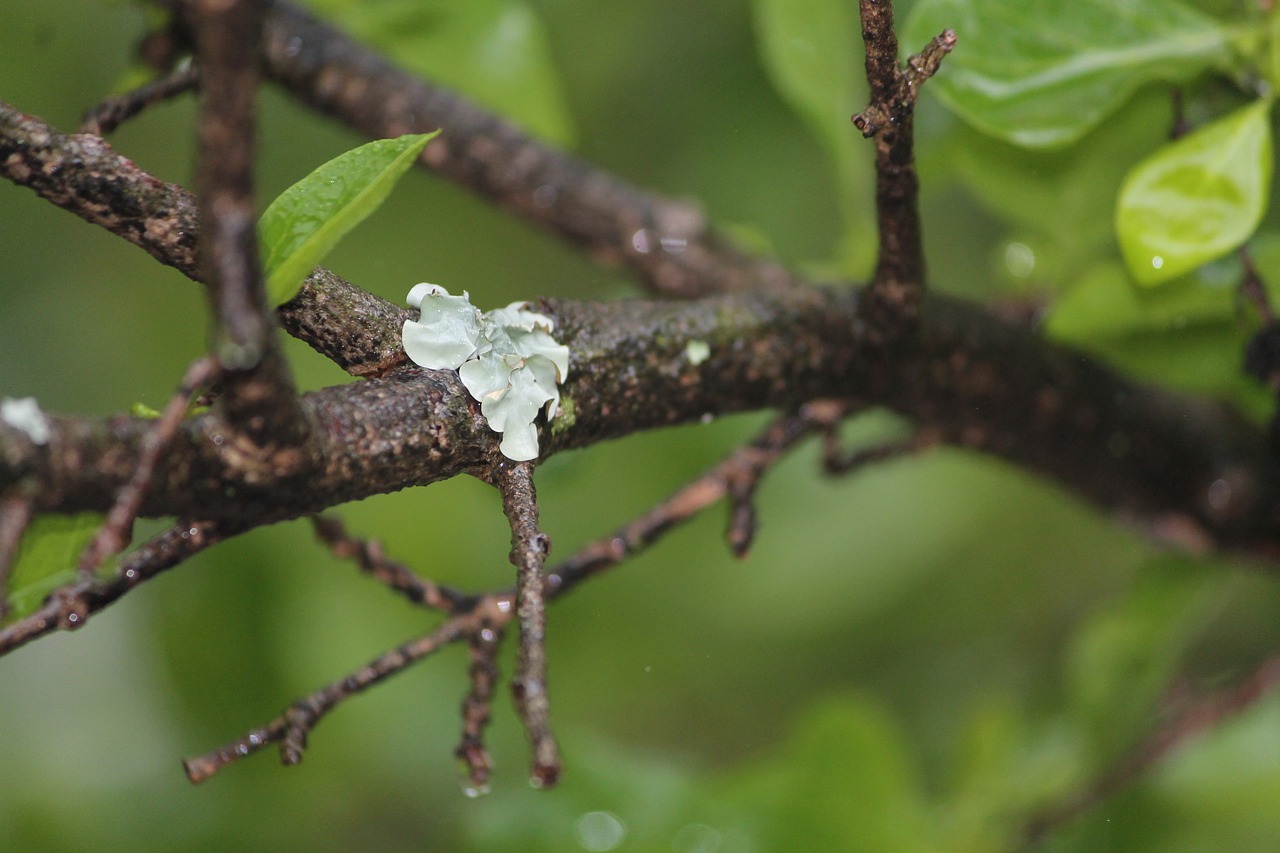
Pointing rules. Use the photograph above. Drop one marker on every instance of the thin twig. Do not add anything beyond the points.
(103, 118)
(529, 548)
(117, 530)
(745, 465)
(483, 675)
(892, 303)
(71, 606)
(291, 729)
(837, 462)
(1194, 719)
(372, 560)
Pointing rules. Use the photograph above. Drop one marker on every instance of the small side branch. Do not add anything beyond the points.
(291, 729)
(735, 478)
(483, 674)
(71, 606)
(1193, 719)
(892, 303)
(116, 532)
(372, 560)
(112, 112)
(529, 548)
(260, 402)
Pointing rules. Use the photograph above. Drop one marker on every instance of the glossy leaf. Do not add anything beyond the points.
(1044, 72)
(495, 51)
(307, 220)
(47, 558)
(1197, 198)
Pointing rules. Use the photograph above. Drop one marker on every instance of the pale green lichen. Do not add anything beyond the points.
(507, 360)
(25, 414)
(697, 352)
(566, 417)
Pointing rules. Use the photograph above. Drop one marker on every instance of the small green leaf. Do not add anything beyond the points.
(1198, 197)
(1044, 72)
(47, 558)
(307, 220)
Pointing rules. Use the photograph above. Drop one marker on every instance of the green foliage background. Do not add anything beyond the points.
(913, 659)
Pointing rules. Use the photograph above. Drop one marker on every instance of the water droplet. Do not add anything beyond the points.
(255, 740)
(697, 838)
(707, 418)
(642, 241)
(475, 792)
(600, 831)
(1019, 260)
(504, 605)
(1157, 262)
(130, 574)
(648, 669)
(674, 245)
(293, 46)
(242, 749)
(488, 635)
(1219, 495)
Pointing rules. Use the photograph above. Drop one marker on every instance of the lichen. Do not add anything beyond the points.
(507, 360)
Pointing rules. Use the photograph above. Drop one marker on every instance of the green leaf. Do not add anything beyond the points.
(844, 780)
(812, 52)
(1184, 335)
(495, 51)
(1044, 72)
(307, 220)
(1196, 198)
(47, 558)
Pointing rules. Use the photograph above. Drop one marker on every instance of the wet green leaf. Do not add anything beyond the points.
(1044, 72)
(307, 220)
(1196, 198)
(47, 558)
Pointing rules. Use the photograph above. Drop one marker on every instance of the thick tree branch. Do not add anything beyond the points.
(1191, 471)
(668, 243)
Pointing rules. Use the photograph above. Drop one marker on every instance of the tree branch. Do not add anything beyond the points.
(1190, 471)
(668, 243)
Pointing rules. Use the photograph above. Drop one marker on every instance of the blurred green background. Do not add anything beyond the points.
(915, 658)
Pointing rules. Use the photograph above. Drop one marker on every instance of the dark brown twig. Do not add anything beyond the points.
(112, 112)
(529, 549)
(837, 462)
(259, 402)
(116, 531)
(291, 729)
(372, 560)
(744, 467)
(483, 675)
(1193, 719)
(893, 299)
(71, 606)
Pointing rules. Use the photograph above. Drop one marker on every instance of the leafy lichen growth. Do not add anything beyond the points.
(506, 358)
